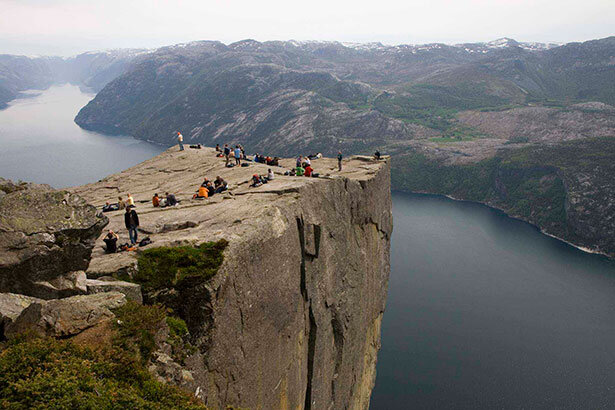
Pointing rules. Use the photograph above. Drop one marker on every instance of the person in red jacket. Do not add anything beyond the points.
(308, 171)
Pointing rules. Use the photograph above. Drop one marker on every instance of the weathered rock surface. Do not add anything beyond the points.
(292, 318)
(65, 317)
(11, 306)
(46, 238)
(132, 291)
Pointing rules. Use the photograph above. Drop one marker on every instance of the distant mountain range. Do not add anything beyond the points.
(92, 70)
(525, 127)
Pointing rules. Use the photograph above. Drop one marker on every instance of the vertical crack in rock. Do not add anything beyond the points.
(312, 327)
(338, 341)
(310, 362)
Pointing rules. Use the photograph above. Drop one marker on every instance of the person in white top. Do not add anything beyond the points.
(180, 141)
(270, 175)
(307, 161)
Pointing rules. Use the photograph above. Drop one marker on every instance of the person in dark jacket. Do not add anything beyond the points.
(131, 220)
(339, 160)
(110, 241)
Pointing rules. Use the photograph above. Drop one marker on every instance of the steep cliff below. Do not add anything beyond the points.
(292, 317)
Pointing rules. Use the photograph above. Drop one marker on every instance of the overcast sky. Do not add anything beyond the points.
(66, 27)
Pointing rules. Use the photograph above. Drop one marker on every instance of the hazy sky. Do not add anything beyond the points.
(65, 27)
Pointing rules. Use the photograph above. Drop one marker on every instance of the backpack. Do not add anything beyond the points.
(245, 164)
(145, 241)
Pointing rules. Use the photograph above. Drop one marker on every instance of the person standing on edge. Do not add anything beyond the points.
(180, 141)
(227, 153)
(131, 220)
(237, 155)
(339, 160)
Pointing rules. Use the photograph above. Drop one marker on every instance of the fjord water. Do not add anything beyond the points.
(485, 312)
(39, 141)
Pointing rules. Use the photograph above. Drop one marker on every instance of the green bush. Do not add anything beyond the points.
(137, 326)
(49, 373)
(165, 267)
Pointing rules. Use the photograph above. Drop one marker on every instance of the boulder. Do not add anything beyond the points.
(65, 317)
(46, 240)
(11, 306)
(132, 291)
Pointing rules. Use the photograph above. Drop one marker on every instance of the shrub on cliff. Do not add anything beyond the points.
(50, 373)
(165, 267)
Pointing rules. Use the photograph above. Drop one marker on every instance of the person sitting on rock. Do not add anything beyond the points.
(377, 155)
(156, 201)
(308, 171)
(270, 175)
(205, 182)
(171, 200)
(299, 171)
(202, 193)
(131, 220)
(306, 162)
(130, 201)
(256, 181)
(110, 241)
(220, 185)
(120, 203)
(299, 161)
(110, 207)
(218, 149)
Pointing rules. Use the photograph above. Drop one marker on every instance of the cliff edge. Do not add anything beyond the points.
(292, 317)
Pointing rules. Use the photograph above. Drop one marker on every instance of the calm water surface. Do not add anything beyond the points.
(40, 142)
(484, 312)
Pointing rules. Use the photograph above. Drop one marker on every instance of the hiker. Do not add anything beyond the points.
(227, 153)
(205, 181)
(130, 201)
(274, 162)
(270, 175)
(202, 193)
(306, 162)
(171, 200)
(218, 148)
(110, 241)
(110, 207)
(308, 171)
(299, 161)
(299, 171)
(220, 185)
(377, 155)
(339, 160)
(237, 155)
(315, 156)
(120, 203)
(256, 181)
(210, 188)
(156, 201)
(131, 220)
(180, 141)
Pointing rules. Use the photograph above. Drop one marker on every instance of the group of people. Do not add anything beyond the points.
(168, 200)
(209, 188)
(131, 221)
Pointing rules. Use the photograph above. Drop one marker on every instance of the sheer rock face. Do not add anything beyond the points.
(46, 239)
(292, 318)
